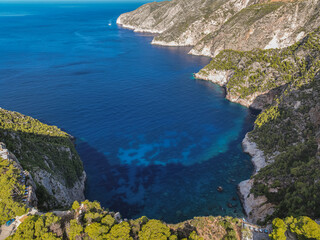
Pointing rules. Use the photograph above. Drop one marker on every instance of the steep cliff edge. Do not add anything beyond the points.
(48, 154)
(211, 26)
(285, 142)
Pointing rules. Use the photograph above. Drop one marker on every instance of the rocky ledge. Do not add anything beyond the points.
(218, 77)
(256, 208)
(57, 188)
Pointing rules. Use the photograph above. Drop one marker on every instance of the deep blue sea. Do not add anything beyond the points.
(154, 141)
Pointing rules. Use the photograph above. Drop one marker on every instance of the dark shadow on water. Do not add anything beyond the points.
(172, 192)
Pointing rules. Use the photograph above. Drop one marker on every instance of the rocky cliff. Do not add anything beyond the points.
(211, 26)
(27, 180)
(48, 154)
(266, 55)
(285, 84)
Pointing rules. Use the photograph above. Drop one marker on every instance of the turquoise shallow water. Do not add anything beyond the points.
(154, 141)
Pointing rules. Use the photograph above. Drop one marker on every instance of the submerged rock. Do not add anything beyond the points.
(220, 189)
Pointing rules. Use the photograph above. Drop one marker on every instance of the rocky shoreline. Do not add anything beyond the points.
(135, 29)
(255, 208)
(244, 27)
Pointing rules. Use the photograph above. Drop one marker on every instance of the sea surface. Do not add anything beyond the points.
(154, 141)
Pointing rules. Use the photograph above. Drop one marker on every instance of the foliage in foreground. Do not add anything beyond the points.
(89, 220)
(301, 228)
(11, 192)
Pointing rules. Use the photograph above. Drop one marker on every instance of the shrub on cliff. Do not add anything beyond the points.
(74, 229)
(302, 227)
(11, 192)
(45, 227)
(154, 230)
(120, 231)
(279, 229)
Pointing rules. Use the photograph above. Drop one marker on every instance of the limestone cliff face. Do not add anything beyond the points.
(49, 155)
(61, 194)
(220, 77)
(211, 26)
(181, 22)
(256, 208)
(264, 26)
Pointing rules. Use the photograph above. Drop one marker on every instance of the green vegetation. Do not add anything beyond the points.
(301, 227)
(291, 180)
(45, 227)
(267, 116)
(40, 146)
(286, 129)
(275, 131)
(254, 12)
(259, 71)
(231, 233)
(154, 230)
(90, 221)
(11, 192)
(279, 229)
(294, 174)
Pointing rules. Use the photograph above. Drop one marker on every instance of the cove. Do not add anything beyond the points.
(153, 140)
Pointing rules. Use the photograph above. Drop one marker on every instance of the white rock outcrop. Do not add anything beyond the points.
(218, 77)
(256, 208)
(58, 189)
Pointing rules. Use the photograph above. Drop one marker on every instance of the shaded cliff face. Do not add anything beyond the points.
(287, 182)
(214, 25)
(48, 154)
(291, 143)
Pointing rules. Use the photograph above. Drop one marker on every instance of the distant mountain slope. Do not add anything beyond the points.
(211, 26)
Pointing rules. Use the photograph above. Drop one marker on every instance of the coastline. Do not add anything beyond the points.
(253, 207)
(256, 208)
